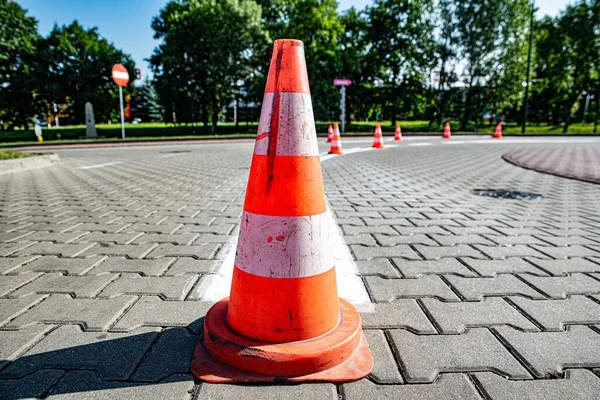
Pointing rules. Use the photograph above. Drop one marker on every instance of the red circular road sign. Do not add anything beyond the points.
(120, 75)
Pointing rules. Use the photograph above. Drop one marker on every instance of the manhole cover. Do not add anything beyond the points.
(175, 151)
(506, 194)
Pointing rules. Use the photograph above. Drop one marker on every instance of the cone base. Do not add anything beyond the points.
(446, 137)
(378, 146)
(398, 138)
(497, 136)
(345, 352)
(338, 152)
(328, 140)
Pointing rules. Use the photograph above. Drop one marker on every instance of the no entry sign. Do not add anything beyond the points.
(120, 75)
(342, 82)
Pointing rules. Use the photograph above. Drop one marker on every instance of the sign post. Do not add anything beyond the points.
(121, 78)
(342, 83)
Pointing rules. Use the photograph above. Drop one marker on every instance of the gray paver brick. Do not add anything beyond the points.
(501, 285)
(386, 290)
(454, 318)
(10, 308)
(563, 267)
(491, 268)
(12, 343)
(424, 357)
(79, 286)
(515, 240)
(100, 237)
(31, 386)
(152, 311)
(362, 239)
(71, 266)
(8, 283)
(451, 240)
(183, 239)
(385, 370)
(578, 384)
(435, 252)
(171, 354)
(201, 251)
(380, 229)
(94, 227)
(56, 249)
(401, 313)
(502, 252)
(555, 314)
(367, 253)
(123, 250)
(389, 240)
(13, 248)
(56, 237)
(567, 252)
(309, 391)
(59, 308)
(169, 288)
(411, 269)
(188, 265)
(143, 267)
(7, 264)
(377, 266)
(447, 386)
(549, 353)
(561, 286)
(84, 385)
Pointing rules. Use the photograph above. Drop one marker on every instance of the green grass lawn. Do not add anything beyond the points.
(12, 154)
(159, 131)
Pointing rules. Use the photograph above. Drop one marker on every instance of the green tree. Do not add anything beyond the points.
(207, 50)
(76, 64)
(145, 104)
(18, 39)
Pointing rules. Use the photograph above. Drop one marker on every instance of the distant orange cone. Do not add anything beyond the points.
(498, 132)
(329, 134)
(284, 321)
(336, 142)
(447, 133)
(398, 133)
(378, 138)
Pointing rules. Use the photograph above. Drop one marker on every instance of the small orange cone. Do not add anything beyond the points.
(447, 133)
(378, 139)
(498, 132)
(398, 133)
(329, 134)
(284, 321)
(336, 142)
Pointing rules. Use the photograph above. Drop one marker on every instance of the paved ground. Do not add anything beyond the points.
(101, 259)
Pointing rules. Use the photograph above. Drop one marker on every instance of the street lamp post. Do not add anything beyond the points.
(526, 100)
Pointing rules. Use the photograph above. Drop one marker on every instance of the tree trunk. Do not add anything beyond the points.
(215, 118)
(568, 119)
(466, 114)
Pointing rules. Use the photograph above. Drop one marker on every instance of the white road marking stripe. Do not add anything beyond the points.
(101, 165)
(419, 144)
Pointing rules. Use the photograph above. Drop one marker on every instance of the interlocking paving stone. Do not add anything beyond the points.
(12, 343)
(56, 237)
(502, 252)
(501, 285)
(436, 252)
(550, 353)
(79, 286)
(401, 313)
(31, 386)
(85, 385)
(385, 370)
(9, 283)
(412, 269)
(184, 239)
(423, 357)
(567, 252)
(362, 239)
(563, 267)
(96, 227)
(567, 241)
(454, 318)
(56, 249)
(171, 354)
(512, 265)
(307, 391)
(515, 240)
(188, 265)
(152, 311)
(71, 266)
(386, 290)
(7, 264)
(10, 308)
(561, 286)
(123, 250)
(92, 314)
(169, 288)
(451, 240)
(389, 240)
(446, 386)
(201, 251)
(13, 248)
(381, 229)
(368, 253)
(100, 237)
(144, 267)
(555, 314)
(377, 266)
(578, 384)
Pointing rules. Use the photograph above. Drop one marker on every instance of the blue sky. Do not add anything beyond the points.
(126, 23)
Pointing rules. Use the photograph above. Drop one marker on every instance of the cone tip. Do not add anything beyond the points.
(288, 42)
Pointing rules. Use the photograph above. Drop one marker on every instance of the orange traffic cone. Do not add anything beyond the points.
(329, 134)
(336, 142)
(283, 321)
(447, 133)
(498, 132)
(378, 139)
(398, 133)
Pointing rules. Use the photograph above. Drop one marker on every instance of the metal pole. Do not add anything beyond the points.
(122, 116)
(343, 108)
(526, 102)
(585, 109)
(597, 98)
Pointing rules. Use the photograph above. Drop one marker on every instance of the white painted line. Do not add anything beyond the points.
(101, 165)
(420, 144)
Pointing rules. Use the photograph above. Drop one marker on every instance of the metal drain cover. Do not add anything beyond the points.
(506, 194)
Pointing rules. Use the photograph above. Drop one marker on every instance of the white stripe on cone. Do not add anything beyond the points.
(120, 75)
